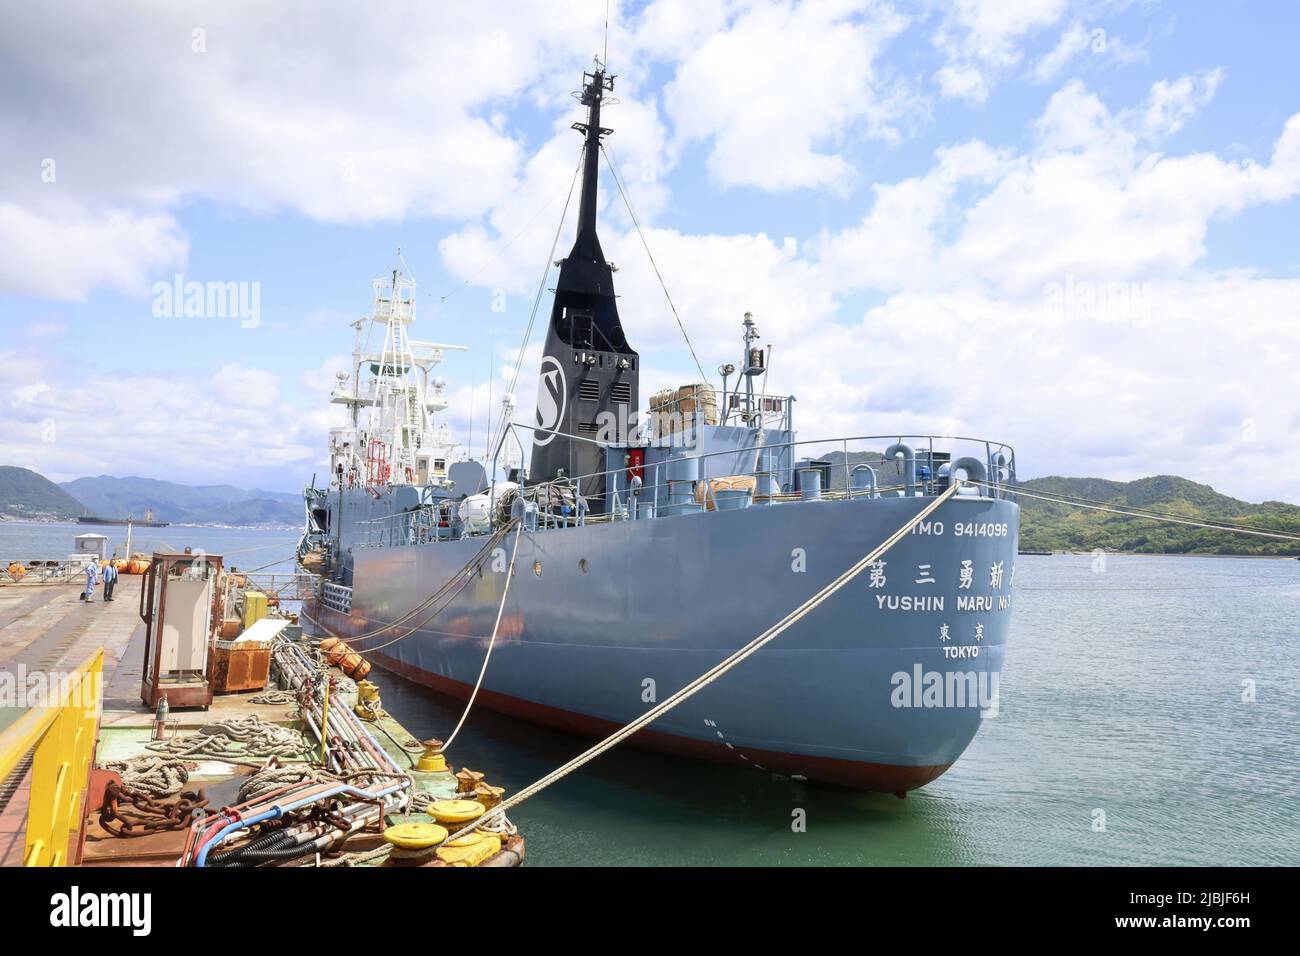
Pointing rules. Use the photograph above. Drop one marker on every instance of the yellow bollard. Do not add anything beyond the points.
(433, 760)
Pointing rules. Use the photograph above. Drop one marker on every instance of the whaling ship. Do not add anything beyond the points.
(646, 553)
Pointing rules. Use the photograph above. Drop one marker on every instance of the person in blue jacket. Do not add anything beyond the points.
(110, 580)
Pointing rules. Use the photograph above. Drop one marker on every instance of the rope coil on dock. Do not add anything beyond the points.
(235, 739)
(273, 697)
(157, 775)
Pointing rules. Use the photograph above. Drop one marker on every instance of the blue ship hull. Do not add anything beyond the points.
(882, 687)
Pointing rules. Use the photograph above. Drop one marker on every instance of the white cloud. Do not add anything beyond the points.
(66, 253)
(237, 428)
(1093, 198)
(242, 387)
(981, 40)
(944, 306)
(963, 83)
(989, 32)
(777, 91)
(1075, 40)
(324, 110)
(1094, 201)
(1172, 104)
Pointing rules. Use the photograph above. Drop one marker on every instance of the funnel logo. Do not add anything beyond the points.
(552, 393)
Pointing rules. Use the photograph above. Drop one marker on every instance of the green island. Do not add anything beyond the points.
(1047, 526)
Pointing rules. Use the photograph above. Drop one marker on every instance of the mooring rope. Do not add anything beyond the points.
(510, 573)
(713, 673)
(461, 578)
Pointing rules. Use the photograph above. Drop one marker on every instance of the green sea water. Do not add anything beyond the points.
(1148, 716)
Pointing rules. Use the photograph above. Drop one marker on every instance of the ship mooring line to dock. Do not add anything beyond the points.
(1137, 513)
(510, 573)
(713, 673)
(462, 577)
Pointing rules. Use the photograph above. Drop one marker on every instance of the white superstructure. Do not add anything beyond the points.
(392, 437)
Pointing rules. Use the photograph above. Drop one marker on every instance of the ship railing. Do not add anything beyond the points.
(40, 570)
(859, 466)
(423, 525)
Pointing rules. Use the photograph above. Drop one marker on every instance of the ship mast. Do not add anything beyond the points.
(595, 86)
(589, 373)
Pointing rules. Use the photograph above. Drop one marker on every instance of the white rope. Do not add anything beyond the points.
(714, 672)
(154, 774)
(510, 573)
(1151, 516)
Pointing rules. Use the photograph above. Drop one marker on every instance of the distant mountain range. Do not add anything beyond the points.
(25, 494)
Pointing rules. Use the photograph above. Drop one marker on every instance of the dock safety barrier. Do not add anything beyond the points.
(60, 736)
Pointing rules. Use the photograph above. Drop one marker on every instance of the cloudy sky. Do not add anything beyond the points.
(1070, 226)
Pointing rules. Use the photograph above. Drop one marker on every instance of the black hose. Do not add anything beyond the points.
(254, 857)
(264, 843)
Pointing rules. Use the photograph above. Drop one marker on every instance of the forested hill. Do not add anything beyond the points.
(25, 494)
(1057, 527)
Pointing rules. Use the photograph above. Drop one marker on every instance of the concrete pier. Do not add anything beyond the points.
(46, 628)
